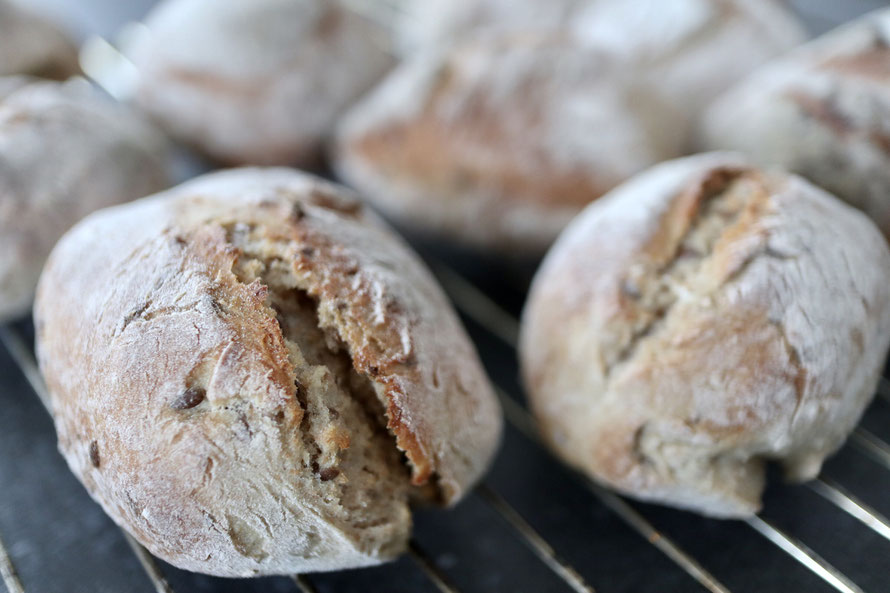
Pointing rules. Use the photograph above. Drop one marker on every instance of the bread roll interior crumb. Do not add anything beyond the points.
(343, 426)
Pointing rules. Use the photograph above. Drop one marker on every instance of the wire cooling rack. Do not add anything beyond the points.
(532, 525)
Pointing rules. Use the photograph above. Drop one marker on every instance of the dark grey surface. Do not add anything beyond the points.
(61, 541)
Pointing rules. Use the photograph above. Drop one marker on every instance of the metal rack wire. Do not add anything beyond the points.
(479, 308)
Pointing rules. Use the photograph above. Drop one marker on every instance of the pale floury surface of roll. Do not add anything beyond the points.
(823, 111)
(10, 84)
(701, 319)
(30, 44)
(693, 49)
(65, 151)
(259, 82)
(499, 141)
(253, 375)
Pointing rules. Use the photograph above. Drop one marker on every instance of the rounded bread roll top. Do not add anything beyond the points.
(823, 112)
(253, 376)
(500, 141)
(258, 82)
(691, 49)
(65, 151)
(702, 319)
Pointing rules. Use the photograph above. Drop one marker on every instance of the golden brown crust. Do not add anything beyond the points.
(701, 319)
(171, 329)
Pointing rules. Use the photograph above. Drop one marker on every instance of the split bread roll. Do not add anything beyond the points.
(258, 82)
(253, 376)
(65, 151)
(823, 112)
(497, 143)
(700, 320)
(32, 45)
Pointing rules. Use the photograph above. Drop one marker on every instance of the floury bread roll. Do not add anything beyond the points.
(65, 151)
(500, 141)
(702, 319)
(823, 111)
(253, 376)
(692, 49)
(259, 82)
(31, 45)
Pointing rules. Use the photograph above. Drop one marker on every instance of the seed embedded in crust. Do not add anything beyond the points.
(94, 454)
(190, 398)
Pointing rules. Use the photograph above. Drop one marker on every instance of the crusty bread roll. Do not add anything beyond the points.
(702, 319)
(823, 111)
(258, 82)
(692, 49)
(236, 364)
(32, 45)
(65, 150)
(500, 141)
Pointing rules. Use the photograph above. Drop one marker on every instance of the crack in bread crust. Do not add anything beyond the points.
(718, 201)
(343, 424)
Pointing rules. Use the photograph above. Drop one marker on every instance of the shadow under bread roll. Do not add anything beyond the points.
(702, 319)
(65, 150)
(254, 376)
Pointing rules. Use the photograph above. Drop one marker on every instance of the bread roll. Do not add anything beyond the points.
(500, 141)
(65, 150)
(822, 111)
(691, 49)
(702, 319)
(31, 45)
(253, 376)
(258, 82)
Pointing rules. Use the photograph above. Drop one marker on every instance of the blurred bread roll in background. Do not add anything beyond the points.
(254, 376)
(30, 44)
(65, 151)
(692, 49)
(259, 82)
(823, 111)
(499, 141)
(700, 320)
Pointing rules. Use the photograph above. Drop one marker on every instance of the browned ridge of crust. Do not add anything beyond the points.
(261, 265)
